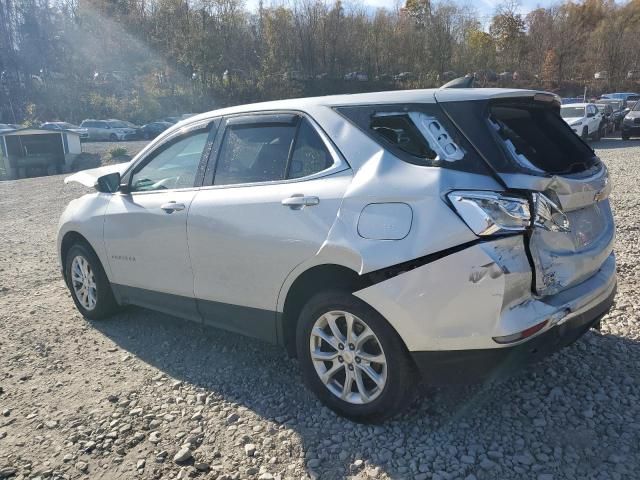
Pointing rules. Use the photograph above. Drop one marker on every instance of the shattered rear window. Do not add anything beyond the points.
(538, 138)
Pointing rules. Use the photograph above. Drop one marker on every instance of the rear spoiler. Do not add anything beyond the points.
(460, 82)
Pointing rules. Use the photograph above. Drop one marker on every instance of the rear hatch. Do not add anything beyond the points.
(523, 139)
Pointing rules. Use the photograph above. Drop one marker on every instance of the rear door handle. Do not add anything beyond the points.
(171, 207)
(299, 201)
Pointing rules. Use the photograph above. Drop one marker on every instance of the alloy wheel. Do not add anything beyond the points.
(348, 357)
(83, 282)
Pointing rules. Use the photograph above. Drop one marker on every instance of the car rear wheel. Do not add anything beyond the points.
(352, 359)
(88, 284)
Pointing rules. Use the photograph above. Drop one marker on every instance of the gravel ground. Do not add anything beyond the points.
(141, 396)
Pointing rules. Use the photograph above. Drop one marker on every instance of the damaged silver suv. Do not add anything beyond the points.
(449, 234)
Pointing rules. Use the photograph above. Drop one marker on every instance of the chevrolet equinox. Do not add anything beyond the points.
(449, 235)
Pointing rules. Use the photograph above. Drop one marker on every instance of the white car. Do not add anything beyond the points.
(585, 119)
(454, 234)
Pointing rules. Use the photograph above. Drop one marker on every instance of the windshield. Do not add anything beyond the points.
(572, 112)
(635, 107)
(67, 125)
(117, 124)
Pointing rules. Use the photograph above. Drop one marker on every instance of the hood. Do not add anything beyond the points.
(633, 114)
(88, 178)
(572, 120)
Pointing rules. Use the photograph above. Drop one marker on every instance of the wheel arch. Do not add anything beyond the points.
(70, 239)
(306, 285)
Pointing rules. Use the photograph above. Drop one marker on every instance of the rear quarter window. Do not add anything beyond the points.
(420, 134)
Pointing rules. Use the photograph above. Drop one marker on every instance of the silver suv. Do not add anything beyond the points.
(445, 234)
(111, 130)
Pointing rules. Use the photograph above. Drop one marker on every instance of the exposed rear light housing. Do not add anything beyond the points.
(491, 213)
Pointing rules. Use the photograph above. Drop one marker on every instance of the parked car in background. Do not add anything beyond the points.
(446, 76)
(568, 100)
(69, 127)
(607, 125)
(633, 75)
(5, 127)
(485, 75)
(618, 110)
(621, 96)
(357, 76)
(603, 75)
(362, 232)
(403, 76)
(153, 129)
(631, 123)
(112, 130)
(583, 118)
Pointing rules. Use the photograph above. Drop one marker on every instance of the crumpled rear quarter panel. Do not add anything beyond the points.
(457, 302)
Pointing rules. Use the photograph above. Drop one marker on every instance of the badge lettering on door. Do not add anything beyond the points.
(124, 258)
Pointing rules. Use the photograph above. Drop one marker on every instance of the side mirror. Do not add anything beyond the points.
(109, 183)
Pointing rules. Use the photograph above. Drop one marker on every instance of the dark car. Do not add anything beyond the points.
(607, 124)
(618, 110)
(153, 129)
(631, 123)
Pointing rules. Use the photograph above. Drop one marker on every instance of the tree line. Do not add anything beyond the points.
(145, 59)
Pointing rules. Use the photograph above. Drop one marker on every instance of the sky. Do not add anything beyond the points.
(485, 8)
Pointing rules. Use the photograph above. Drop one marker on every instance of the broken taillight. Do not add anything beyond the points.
(491, 213)
(494, 213)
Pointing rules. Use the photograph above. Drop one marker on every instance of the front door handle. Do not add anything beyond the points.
(171, 207)
(299, 201)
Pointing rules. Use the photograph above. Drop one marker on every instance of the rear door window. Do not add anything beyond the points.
(269, 148)
(254, 153)
(310, 154)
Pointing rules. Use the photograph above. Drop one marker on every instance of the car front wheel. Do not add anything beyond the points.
(352, 359)
(88, 284)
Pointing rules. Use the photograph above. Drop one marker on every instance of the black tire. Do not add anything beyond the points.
(106, 304)
(625, 137)
(113, 137)
(399, 389)
(585, 133)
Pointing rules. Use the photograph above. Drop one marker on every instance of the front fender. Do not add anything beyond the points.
(85, 216)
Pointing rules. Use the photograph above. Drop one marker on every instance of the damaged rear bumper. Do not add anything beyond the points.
(449, 311)
(473, 366)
